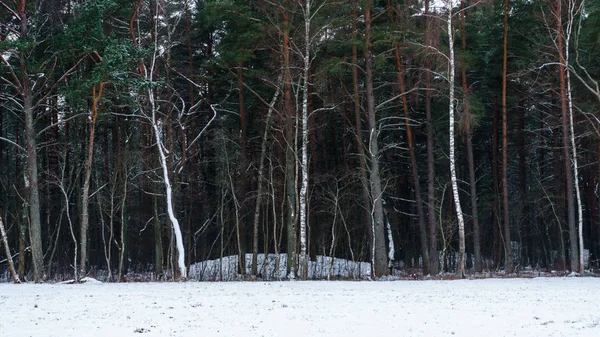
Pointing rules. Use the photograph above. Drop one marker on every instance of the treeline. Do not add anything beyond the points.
(445, 135)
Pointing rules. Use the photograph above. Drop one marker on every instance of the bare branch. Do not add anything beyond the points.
(13, 143)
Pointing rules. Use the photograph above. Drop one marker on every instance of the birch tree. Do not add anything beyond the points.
(157, 127)
(571, 12)
(306, 58)
(460, 269)
(308, 14)
(11, 265)
(379, 265)
(592, 85)
(566, 134)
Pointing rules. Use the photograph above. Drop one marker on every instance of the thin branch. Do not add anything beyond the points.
(13, 143)
(205, 127)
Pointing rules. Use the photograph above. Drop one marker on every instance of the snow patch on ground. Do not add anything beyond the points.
(88, 280)
(489, 307)
(274, 268)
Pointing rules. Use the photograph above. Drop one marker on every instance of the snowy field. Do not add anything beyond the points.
(490, 307)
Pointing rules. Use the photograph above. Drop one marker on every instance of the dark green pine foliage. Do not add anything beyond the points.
(222, 62)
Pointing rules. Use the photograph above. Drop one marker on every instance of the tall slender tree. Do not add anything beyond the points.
(508, 253)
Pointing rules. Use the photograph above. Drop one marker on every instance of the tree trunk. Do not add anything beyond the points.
(573, 254)
(596, 239)
(413, 162)
(11, 265)
(260, 190)
(468, 133)
(559, 192)
(124, 230)
(85, 198)
(460, 268)
(366, 201)
(433, 249)
(508, 259)
(378, 250)
(496, 215)
(170, 208)
(158, 244)
(522, 176)
(35, 227)
(304, 159)
(290, 152)
(243, 182)
(580, 265)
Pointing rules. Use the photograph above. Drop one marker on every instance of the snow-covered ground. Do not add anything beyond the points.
(489, 307)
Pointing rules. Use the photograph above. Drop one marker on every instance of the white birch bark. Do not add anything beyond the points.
(304, 159)
(570, 22)
(332, 245)
(11, 265)
(391, 249)
(167, 182)
(157, 126)
(460, 269)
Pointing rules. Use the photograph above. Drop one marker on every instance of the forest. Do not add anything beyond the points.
(144, 136)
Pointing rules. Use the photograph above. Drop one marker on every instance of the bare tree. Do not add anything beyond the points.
(460, 269)
(30, 96)
(574, 258)
(261, 179)
(378, 250)
(362, 158)
(97, 91)
(571, 11)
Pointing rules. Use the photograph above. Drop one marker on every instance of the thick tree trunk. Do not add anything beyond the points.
(35, 227)
(378, 250)
(508, 259)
